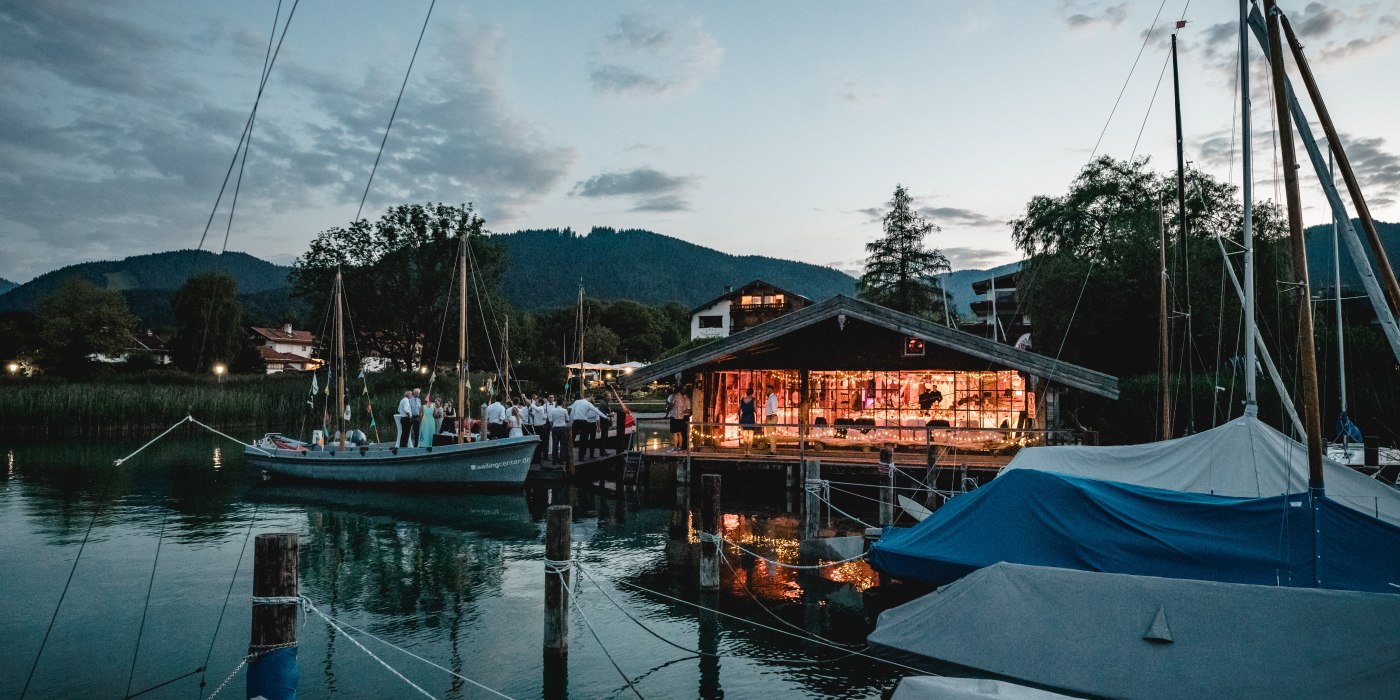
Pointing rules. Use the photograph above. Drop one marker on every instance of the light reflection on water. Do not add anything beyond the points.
(456, 577)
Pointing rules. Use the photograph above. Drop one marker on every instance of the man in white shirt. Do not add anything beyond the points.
(585, 417)
(537, 417)
(678, 412)
(770, 416)
(404, 417)
(558, 428)
(496, 420)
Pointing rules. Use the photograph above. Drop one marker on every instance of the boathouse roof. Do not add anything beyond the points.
(850, 334)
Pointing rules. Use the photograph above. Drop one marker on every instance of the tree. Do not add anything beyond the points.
(400, 282)
(208, 321)
(79, 320)
(900, 273)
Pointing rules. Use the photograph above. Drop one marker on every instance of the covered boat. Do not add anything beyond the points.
(1116, 635)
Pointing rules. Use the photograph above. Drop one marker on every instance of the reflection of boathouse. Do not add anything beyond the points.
(845, 362)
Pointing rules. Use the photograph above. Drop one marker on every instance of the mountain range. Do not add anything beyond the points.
(6, 285)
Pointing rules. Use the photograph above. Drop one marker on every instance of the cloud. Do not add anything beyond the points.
(1377, 169)
(104, 154)
(955, 216)
(1080, 15)
(976, 258)
(642, 58)
(651, 190)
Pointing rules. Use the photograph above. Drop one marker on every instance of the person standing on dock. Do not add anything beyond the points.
(585, 418)
(770, 416)
(417, 419)
(539, 422)
(558, 429)
(496, 419)
(748, 422)
(678, 411)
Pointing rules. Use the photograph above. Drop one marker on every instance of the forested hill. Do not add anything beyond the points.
(6, 285)
(544, 267)
(1319, 247)
(157, 271)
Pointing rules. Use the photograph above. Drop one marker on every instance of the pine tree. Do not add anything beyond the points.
(900, 272)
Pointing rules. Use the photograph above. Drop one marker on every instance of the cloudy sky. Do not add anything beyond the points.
(775, 128)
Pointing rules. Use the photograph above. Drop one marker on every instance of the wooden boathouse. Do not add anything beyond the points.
(851, 378)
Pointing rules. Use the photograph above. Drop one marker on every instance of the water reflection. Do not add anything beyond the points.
(456, 577)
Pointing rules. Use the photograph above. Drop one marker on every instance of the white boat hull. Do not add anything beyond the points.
(504, 462)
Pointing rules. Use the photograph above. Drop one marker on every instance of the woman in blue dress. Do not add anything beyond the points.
(747, 422)
(431, 411)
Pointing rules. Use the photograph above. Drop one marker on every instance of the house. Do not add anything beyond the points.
(147, 344)
(285, 349)
(739, 309)
(998, 314)
(844, 361)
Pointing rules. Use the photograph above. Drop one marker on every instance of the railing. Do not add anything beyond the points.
(917, 445)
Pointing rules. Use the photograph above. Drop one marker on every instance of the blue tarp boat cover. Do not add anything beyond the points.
(1050, 519)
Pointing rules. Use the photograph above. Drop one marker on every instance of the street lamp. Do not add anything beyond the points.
(422, 369)
(13, 367)
(219, 372)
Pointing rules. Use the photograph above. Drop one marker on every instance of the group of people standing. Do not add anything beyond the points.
(549, 418)
(421, 417)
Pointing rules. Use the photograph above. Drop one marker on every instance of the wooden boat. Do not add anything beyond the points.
(504, 462)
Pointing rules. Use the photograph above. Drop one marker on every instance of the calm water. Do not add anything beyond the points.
(456, 578)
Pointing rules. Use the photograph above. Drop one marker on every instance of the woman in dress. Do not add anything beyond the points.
(748, 424)
(513, 421)
(431, 412)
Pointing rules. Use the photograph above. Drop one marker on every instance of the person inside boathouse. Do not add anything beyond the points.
(848, 370)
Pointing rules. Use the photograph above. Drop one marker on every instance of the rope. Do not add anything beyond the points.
(558, 567)
(1145, 39)
(276, 599)
(816, 487)
(165, 683)
(119, 462)
(648, 630)
(775, 616)
(309, 606)
(228, 595)
(400, 649)
(245, 444)
(141, 630)
(573, 600)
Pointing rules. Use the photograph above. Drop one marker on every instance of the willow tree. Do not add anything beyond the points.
(901, 273)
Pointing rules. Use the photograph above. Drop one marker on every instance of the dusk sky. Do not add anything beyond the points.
(767, 128)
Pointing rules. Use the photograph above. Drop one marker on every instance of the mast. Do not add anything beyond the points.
(1307, 354)
(1337, 291)
(1251, 396)
(1334, 144)
(464, 414)
(582, 326)
(340, 353)
(505, 353)
(1164, 348)
(1184, 275)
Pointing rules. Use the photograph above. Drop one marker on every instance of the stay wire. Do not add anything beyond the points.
(227, 595)
(1146, 38)
(146, 608)
(96, 509)
(395, 112)
(573, 599)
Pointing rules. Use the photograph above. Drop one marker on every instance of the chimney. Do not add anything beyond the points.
(728, 288)
(287, 328)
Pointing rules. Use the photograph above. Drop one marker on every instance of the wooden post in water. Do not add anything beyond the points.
(886, 474)
(273, 673)
(683, 471)
(569, 449)
(710, 532)
(558, 542)
(811, 511)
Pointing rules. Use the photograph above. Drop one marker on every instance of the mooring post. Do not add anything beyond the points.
(272, 672)
(710, 532)
(683, 471)
(886, 475)
(811, 512)
(558, 541)
(569, 450)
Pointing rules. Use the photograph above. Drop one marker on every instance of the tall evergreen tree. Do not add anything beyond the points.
(900, 272)
(209, 322)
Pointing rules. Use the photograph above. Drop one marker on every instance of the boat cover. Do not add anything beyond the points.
(954, 688)
(1048, 519)
(1244, 457)
(1143, 637)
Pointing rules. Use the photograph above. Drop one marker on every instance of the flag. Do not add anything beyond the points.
(1180, 23)
(362, 375)
(314, 386)
(329, 372)
(347, 413)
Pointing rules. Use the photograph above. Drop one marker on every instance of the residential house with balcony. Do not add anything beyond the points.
(285, 349)
(739, 309)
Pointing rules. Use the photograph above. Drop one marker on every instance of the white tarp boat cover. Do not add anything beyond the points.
(950, 688)
(1118, 635)
(1244, 458)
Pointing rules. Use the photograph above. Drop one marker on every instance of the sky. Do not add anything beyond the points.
(773, 128)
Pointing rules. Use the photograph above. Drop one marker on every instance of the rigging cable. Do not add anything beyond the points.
(227, 595)
(394, 113)
(146, 608)
(1147, 37)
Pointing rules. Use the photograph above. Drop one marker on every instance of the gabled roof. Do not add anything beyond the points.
(1005, 281)
(280, 335)
(961, 342)
(740, 292)
(270, 355)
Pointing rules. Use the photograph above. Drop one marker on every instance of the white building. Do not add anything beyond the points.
(286, 349)
(742, 308)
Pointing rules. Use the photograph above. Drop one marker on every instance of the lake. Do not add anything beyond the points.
(456, 578)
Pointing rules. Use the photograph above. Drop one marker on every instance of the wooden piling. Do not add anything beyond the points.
(710, 526)
(683, 471)
(274, 615)
(558, 542)
(811, 511)
(887, 498)
(569, 450)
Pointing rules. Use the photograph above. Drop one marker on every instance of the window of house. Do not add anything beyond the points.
(712, 322)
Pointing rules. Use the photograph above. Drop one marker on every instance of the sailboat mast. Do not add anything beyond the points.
(1337, 291)
(505, 352)
(340, 355)
(1307, 355)
(582, 326)
(1251, 396)
(1163, 329)
(464, 414)
(1184, 269)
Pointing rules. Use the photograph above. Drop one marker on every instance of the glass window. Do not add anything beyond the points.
(712, 322)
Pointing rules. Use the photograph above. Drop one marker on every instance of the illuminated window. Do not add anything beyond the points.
(913, 347)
